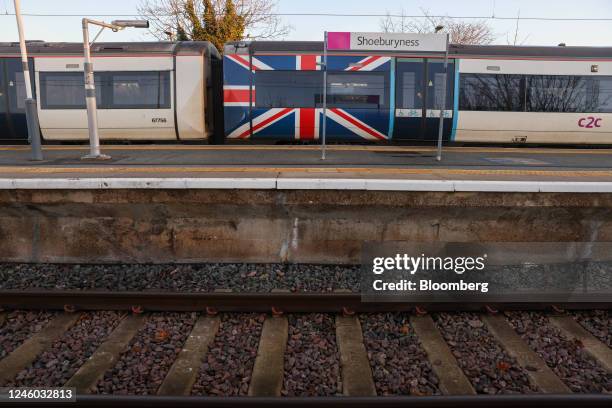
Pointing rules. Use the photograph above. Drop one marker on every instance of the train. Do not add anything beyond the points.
(272, 91)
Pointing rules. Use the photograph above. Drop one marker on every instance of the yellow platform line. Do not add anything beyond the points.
(417, 149)
(153, 171)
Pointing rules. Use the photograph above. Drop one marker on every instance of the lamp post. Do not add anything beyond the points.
(30, 102)
(90, 84)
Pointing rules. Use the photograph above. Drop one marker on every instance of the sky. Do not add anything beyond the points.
(589, 33)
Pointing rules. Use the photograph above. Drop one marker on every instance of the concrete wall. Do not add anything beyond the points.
(277, 226)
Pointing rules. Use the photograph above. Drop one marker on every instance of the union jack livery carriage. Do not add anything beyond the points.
(493, 94)
(274, 90)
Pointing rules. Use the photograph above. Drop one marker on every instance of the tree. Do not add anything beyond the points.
(461, 32)
(516, 40)
(186, 19)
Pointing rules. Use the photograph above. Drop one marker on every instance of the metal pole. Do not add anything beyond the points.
(443, 106)
(324, 137)
(90, 98)
(30, 103)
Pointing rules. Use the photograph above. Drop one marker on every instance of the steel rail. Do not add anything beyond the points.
(484, 401)
(302, 302)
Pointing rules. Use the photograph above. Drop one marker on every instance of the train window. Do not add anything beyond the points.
(436, 83)
(491, 92)
(2, 88)
(288, 89)
(410, 92)
(65, 90)
(17, 92)
(364, 90)
(114, 90)
(603, 89)
(137, 90)
(559, 93)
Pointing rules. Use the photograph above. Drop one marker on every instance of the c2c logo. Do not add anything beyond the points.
(590, 122)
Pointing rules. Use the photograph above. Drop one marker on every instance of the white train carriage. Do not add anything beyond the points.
(535, 95)
(145, 91)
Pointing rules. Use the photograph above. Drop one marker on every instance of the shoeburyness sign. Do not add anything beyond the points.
(343, 41)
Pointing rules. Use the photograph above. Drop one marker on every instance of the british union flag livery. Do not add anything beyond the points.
(272, 96)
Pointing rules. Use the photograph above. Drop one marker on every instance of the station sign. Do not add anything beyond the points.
(401, 42)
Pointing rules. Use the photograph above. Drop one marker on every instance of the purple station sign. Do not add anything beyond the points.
(349, 41)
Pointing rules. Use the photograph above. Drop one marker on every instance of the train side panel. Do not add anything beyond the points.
(279, 97)
(533, 127)
(532, 101)
(135, 98)
(191, 97)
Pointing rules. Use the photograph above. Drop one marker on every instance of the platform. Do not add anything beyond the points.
(283, 204)
(300, 167)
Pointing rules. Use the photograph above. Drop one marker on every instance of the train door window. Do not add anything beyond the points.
(358, 90)
(65, 90)
(288, 89)
(18, 97)
(2, 87)
(137, 90)
(16, 85)
(492, 92)
(436, 85)
(557, 93)
(410, 92)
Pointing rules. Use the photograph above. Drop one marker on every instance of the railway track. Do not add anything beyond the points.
(172, 336)
(224, 300)
(189, 358)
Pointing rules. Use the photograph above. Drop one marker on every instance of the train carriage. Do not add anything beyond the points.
(144, 91)
(494, 94)
(275, 90)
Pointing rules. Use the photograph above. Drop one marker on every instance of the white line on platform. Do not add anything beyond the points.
(274, 183)
(137, 183)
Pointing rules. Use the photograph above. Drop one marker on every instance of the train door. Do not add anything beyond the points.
(6, 130)
(419, 95)
(13, 124)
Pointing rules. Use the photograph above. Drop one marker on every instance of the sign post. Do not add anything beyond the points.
(324, 135)
(394, 43)
(443, 107)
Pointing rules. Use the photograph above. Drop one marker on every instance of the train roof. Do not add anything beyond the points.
(454, 49)
(66, 48)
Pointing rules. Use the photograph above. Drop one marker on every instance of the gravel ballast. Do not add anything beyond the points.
(483, 360)
(399, 363)
(57, 364)
(229, 362)
(567, 358)
(19, 326)
(182, 277)
(144, 364)
(598, 323)
(312, 363)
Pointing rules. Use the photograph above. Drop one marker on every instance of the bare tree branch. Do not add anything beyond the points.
(166, 16)
(461, 32)
(516, 40)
